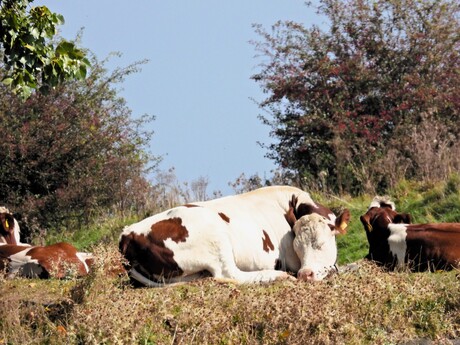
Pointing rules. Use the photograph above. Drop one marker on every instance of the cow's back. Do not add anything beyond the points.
(438, 242)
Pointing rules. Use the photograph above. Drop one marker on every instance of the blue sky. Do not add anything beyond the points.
(197, 81)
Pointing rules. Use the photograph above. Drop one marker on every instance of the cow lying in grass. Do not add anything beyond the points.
(20, 259)
(54, 261)
(394, 242)
(251, 237)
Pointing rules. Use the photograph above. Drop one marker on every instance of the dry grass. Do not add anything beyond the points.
(367, 306)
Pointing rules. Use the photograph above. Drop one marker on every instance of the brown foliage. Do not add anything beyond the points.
(72, 154)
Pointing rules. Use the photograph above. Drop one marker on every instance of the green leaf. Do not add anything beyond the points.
(7, 81)
(59, 19)
(29, 47)
(25, 91)
(64, 47)
(35, 33)
(82, 71)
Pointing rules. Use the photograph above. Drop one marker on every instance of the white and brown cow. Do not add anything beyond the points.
(53, 261)
(395, 243)
(22, 259)
(251, 237)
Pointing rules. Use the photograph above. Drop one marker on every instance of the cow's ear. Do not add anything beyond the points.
(366, 222)
(402, 218)
(290, 214)
(342, 221)
(293, 202)
(336, 230)
(290, 217)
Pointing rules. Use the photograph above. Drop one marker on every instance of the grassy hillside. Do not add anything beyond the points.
(366, 306)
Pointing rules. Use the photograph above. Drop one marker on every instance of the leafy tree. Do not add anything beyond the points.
(371, 100)
(32, 59)
(72, 154)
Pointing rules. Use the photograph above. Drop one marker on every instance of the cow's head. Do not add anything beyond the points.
(314, 244)
(380, 214)
(9, 227)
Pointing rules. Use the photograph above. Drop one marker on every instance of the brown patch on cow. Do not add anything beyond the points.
(432, 247)
(224, 217)
(298, 211)
(168, 228)
(149, 257)
(148, 254)
(57, 260)
(267, 243)
(191, 205)
(305, 209)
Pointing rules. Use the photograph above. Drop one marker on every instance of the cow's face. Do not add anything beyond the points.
(375, 222)
(9, 228)
(314, 244)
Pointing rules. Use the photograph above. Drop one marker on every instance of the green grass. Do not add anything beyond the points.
(104, 231)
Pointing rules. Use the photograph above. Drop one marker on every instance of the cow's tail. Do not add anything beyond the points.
(134, 274)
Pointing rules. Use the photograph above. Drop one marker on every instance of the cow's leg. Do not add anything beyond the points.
(260, 276)
(251, 277)
(213, 252)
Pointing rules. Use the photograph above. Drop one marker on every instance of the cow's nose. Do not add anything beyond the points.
(306, 275)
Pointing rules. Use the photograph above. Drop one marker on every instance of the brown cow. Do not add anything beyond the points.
(394, 242)
(57, 260)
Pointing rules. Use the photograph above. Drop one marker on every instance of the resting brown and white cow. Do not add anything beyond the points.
(394, 242)
(251, 237)
(21, 259)
(57, 260)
